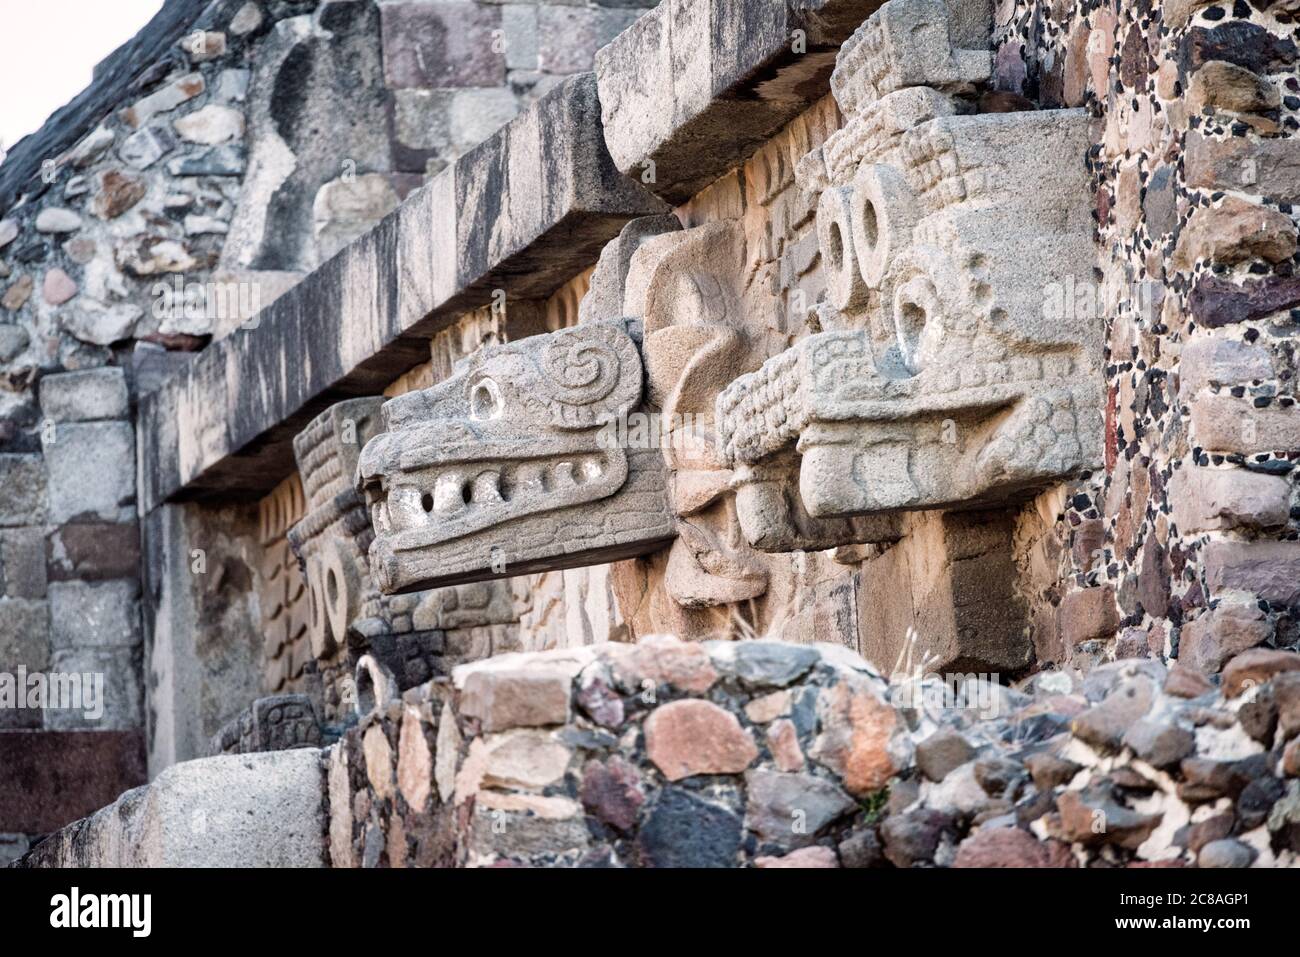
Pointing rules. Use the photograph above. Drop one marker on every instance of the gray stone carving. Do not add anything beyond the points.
(499, 470)
(274, 723)
(942, 377)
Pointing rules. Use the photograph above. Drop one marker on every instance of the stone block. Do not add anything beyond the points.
(94, 614)
(255, 810)
(91, 471)
(53, 778)
(442, 43)
(1267, 570)
(1224, 423)
(1214, 499)
(569, 36)
(1269, 167)
(22, 489)
(24, 634)
(1214, 360)
(93, 552)
(85, 396)
(1211, 640)
(503, 699)
(115, 697)
(519, 24)
(1088, 614)
(22, 563)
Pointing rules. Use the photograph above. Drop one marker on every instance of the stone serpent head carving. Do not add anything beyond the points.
(499, 470)
(939, 379)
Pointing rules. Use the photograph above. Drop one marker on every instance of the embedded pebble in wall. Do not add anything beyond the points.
(8, 232)
(55, 219)
(228, 160)
(116, 192)
(211, 125)
(16, 296)
(91, 148)
(247, 19)
(164, 100)
(58, 287)
(144, 148)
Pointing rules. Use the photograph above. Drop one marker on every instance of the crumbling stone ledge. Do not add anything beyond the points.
(723, 754)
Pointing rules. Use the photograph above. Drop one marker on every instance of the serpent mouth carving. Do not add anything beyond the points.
(443, 502)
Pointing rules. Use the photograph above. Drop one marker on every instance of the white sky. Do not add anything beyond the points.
(48, 49)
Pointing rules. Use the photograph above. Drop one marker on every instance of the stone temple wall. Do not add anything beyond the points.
(950, 337)
(218, 158)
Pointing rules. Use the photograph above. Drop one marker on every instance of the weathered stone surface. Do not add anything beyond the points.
(1215, 499)
(783, 742)
(469, 508)
(57, 287)
(98, 614)
(91, 471)
(55, 219)
(857, 738)
(24, 633)
(805, 857)
(1219, 302)
(1092, 817)
(1208, 642)
(163, 100)
(255, 810)
(761, 664)
(1225, 853)
(1220, 85)
(444, 43)
(1160, 742)
(523, 760)
(681, 829)
(22, 489)
(35, 796)
(115, 193)
(379, 761)
(85, 396)
(1269, 167)
(101, 325)
(685, 738)
(1235, 231)
(516, 699)
(22, 564)
(1214, 360)
(1224, 423)
(1254, 667)
(1268, 570)
(942, 752)
(347, 207)
(677, 104)
(414, 762)
(211, 125)
(18, 292)
(791, 809)
(1088, 614)
(1009, 847)
(612, 793)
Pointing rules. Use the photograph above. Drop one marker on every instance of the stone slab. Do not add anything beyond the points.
(251, 810)
(696, 86)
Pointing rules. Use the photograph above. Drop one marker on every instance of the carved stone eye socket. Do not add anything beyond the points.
(485, 401)
(835, 240)
(917, 323)
(883, 213)
(870, 228)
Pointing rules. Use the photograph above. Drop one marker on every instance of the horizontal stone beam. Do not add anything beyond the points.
(522, 212)
(696, 86)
